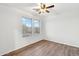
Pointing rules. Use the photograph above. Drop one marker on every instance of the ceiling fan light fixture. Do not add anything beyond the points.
(44, 8)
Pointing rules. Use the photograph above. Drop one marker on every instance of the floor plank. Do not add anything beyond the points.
(48, 48)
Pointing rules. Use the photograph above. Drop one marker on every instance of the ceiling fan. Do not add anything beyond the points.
(43, 8)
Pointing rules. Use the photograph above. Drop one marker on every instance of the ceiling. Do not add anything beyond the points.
(59, 8)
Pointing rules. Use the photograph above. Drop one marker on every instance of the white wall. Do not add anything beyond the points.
(10, 30)
(23, 41)
(64, 27)
(7, 21)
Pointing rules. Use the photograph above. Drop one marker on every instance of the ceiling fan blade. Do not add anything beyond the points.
(39, 12)
(47, 11)
(50, 6)
(42, 6)
(36, 9)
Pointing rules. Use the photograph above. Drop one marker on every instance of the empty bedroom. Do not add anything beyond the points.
(39, 29)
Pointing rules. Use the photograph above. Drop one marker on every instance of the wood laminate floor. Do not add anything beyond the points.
(48, 48)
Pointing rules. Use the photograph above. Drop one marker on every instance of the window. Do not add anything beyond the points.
(30, 26)
(36, 26)
(26, 26)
